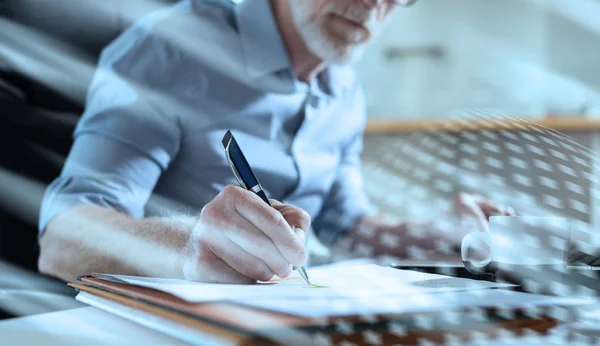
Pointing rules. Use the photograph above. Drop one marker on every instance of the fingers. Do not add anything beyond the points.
(238, 243)
(268, 220)
(251, 237)
(248, 238)
(288, 242)
(209, 268)
(488, 207)
(239, 259)
(467, 205)
(294, 216)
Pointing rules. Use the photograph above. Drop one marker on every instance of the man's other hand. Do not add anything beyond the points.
(479, 209)
(241, 239)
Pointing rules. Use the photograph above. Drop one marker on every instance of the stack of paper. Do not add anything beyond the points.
(340, 290)
(290, 304)
(330, 282)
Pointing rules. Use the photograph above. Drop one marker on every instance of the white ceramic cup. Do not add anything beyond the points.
(517, 241)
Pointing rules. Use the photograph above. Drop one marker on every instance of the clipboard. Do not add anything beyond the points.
(454, 269)
(244, 325)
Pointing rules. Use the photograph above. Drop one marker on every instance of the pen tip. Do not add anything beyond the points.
(304, 274)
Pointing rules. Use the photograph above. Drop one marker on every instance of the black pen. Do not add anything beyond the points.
(246, 178)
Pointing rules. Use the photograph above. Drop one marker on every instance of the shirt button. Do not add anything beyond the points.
(314, 101)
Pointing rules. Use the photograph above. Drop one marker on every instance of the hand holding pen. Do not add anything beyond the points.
(239, 238)
(246, 178)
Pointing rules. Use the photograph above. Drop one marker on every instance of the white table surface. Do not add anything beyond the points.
(81, 326)
(90, 326)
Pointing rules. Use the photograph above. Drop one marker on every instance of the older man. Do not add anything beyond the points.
(275, 73)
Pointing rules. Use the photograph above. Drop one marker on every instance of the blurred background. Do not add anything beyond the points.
(531, 62)
(516, 59)
(528, 58)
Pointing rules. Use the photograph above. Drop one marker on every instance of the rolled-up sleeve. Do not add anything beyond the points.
(127, 135)
(347, 200)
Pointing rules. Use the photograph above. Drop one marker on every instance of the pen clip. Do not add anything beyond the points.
(232, 166)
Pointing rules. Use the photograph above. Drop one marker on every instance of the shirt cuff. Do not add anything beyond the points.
(63, 195)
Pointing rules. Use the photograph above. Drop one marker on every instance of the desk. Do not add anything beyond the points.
(92, 327)
(20, 303)
(25, 293)
(83, 326)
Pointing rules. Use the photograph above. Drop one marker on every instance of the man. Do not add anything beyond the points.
(166, 91)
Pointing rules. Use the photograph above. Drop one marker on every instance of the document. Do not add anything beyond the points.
(336, 282)
(356, 289)
(417, 303)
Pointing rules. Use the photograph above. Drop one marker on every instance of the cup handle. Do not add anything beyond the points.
(470, 242)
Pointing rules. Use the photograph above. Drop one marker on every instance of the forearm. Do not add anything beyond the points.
(93, 239)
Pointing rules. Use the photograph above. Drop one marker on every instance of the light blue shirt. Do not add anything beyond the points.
(167, 90)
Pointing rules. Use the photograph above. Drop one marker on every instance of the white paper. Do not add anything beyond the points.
(445, 301)
(349, 282)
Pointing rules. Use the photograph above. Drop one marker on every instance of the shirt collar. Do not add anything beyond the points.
(265, 52)
(262, 44)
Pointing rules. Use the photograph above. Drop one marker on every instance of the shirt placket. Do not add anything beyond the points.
(300, 154)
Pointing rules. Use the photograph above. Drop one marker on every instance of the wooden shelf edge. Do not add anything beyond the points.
(375, 126)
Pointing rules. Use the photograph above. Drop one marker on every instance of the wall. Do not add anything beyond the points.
(522, 57)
